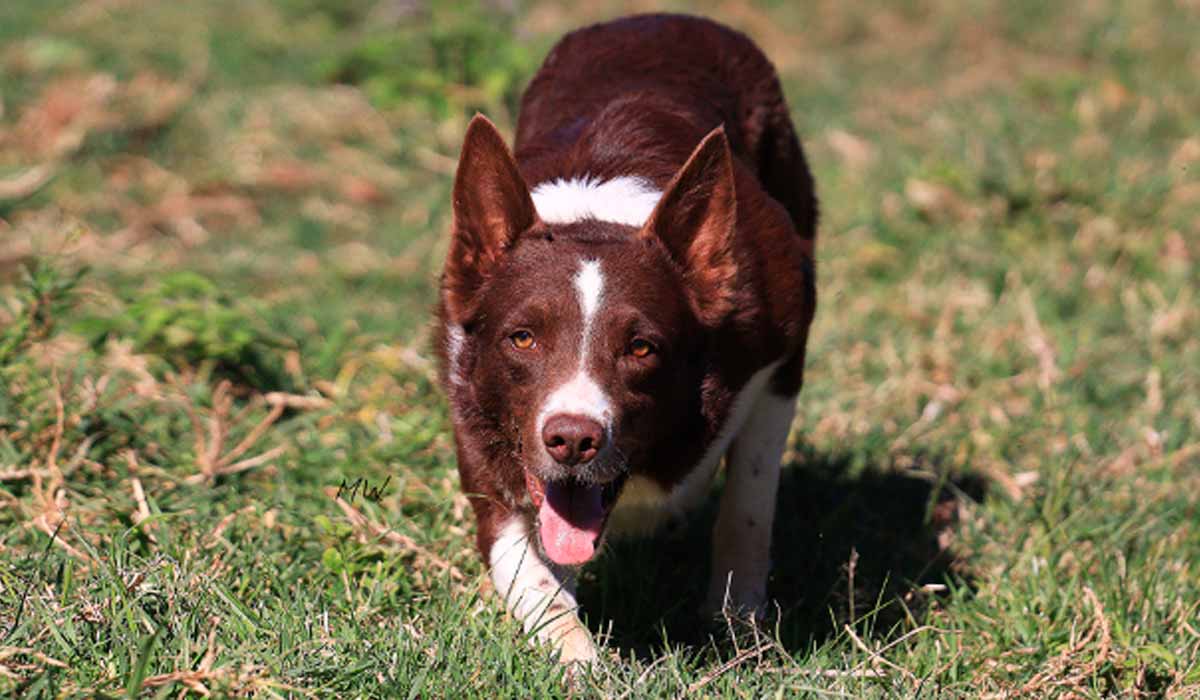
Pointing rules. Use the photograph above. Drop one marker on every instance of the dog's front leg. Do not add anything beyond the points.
(541, 596)
(742, 535)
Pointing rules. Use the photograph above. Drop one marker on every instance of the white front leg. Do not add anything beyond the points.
(742, 535)
(543, 600)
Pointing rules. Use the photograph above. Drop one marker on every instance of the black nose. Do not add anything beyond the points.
(572, 439)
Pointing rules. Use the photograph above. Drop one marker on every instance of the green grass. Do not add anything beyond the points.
(220, 229)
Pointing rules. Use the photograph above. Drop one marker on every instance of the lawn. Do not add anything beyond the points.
(221, 225)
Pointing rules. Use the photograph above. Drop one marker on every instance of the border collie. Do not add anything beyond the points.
(625, 301)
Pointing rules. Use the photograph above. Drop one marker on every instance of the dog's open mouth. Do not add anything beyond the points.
(571, 516)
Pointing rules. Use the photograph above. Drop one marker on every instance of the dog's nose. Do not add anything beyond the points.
(572, 439)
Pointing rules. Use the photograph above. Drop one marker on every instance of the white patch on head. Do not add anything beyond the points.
(537, 596)
(581, 395)
(622, 200)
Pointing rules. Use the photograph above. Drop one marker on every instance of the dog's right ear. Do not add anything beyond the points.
(492, 207)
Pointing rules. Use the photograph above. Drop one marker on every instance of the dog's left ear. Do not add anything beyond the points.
(695, 220)
(492, 206)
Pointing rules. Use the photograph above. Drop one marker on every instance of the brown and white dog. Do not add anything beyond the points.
(624, 303)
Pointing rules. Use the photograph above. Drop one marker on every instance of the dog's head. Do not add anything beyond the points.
(579, 344)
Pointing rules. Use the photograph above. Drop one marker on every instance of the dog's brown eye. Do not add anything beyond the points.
(522, 340)
(641, 348)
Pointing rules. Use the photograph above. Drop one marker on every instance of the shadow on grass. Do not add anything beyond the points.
(646, 593)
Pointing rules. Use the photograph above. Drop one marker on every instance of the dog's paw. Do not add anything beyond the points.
(727, 600)
(721, 616)
(719, 611)
(576, 648)
(578, 665)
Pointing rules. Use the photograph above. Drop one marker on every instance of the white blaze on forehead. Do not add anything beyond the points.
(621, 200)
(589, 283)
(581, 395)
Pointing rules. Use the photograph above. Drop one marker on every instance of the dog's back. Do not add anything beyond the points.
(637, 94)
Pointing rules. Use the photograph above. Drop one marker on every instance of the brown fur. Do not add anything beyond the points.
(721, 278)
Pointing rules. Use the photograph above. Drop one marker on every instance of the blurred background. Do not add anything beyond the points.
(220, 229)
(294, 145)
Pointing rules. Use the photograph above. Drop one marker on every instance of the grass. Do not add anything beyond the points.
(220, 229)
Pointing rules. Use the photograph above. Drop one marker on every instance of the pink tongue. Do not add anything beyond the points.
(571, 518)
